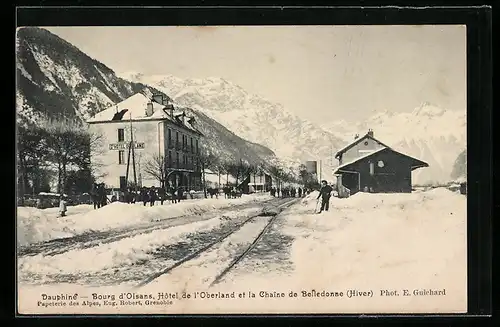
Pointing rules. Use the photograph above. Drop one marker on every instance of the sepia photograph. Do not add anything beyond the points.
(241, 169)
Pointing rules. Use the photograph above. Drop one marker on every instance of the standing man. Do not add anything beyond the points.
(62, 206)
(325, 192)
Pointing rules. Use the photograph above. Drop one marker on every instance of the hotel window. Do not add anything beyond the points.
(123, 182)
(197, 150)
(177, 160)
(121, 135)
(169, 159)
(169, 136)
(121, 157)
(192, 149)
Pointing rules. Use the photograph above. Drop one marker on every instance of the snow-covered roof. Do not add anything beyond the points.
(372, 153)
(136, 110)
(356, 141)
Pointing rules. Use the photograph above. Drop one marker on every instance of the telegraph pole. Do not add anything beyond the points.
(133, 151)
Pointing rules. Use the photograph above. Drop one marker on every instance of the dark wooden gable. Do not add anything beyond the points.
(357, 141)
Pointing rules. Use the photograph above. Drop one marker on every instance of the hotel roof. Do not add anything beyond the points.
(135, 107)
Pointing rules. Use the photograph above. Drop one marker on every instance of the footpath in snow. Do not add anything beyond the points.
(38, 225)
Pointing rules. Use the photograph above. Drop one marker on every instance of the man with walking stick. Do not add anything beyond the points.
(325, 193)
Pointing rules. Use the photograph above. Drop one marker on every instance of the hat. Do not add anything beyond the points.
(324, 181)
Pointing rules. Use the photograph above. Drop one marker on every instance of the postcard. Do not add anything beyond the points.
(241, 169)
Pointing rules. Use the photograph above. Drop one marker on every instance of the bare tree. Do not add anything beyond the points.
(68, 144)
(207, 160)
(155, 168)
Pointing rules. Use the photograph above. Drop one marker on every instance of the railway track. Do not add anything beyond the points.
(92, 239)
(219, 277)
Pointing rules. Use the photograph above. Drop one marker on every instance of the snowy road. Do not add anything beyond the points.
(126, 256)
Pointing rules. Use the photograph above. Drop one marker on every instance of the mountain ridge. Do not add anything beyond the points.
(428, 132)
(55, 79)
(258, 119)
(253, 117)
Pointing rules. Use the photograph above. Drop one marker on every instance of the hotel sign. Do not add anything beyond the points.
(125, 145)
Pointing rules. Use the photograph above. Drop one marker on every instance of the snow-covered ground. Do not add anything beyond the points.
(368, 242)
(37, 225)
(120, 254)
(375, 242)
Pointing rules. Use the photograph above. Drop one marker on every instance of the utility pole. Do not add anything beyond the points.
(133, 151)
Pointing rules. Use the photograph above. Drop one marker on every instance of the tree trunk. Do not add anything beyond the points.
(218, 185)
(63, 177)
(59, 177)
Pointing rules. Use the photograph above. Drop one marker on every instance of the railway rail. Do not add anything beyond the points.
(219, 277)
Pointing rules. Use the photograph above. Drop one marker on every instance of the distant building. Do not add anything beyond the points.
(371, 166)
(162, 135)
(260, 182)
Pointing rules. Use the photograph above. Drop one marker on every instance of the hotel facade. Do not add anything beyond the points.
(146, 141)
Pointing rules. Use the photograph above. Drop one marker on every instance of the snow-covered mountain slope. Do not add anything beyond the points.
(54, 79)
(250, 116)
(429, 133)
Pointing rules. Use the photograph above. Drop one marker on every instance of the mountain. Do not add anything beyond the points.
(293, 139)
(460, 166)
(432, 134)
(55, 79)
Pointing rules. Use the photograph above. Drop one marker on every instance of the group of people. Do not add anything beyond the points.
(288, 192)
(152, 194)
(98, 195)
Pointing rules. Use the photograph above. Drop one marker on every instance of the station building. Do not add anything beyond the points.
(368, 165)
(147, 141)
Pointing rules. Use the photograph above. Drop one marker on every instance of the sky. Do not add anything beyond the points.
(322, 73)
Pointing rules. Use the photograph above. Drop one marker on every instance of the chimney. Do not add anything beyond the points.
(149, 109)
(356, 136)
(370, 132)
(184, 118)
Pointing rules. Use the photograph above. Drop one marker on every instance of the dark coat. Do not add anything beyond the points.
(325, 191)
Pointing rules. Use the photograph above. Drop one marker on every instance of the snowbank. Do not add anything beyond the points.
(373, 242)
(127, 251)
(37, 225)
